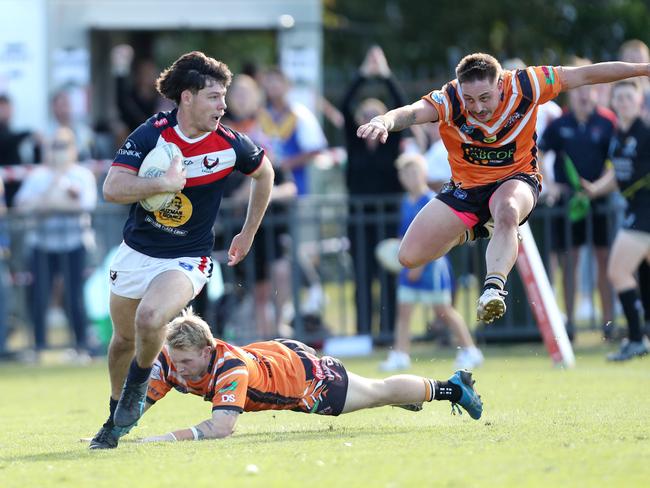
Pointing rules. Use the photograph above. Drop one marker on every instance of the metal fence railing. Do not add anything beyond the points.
(322, 238)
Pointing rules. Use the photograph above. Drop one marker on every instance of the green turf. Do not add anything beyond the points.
(542, 426)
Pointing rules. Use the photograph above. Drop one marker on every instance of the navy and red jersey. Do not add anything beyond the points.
(184, 228)
(587, 144)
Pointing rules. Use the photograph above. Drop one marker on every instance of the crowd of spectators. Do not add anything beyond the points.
(56, 196)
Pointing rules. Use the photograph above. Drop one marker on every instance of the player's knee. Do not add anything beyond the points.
(441, 310)
(120, 342)
(407, 259)
(616, 276)
(506, 215)
(611, 272)
(148, 319)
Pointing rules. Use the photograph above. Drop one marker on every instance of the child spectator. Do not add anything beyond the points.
(429, 284)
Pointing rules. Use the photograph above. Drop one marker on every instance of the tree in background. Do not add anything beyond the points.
(426, 39)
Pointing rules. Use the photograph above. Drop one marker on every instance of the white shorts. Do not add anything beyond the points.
(131, 272)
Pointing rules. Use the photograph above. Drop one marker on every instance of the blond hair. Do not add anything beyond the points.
(367, 107)
(188, 331)
(411, 158)
(634, 45)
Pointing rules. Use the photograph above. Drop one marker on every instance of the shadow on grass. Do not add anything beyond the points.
(297, 434)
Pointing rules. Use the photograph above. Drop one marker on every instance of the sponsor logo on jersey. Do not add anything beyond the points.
(467, 128)
(186, 266)
(210, 163)
(437, 96)
(159, 123)
(460, 194)
(129, 149)
(629, 147)
(316, 370)
(156, 374)
(548, 74)
(176, 213)
(489, 140)
(113, 275)
(232, 386)
(322, 369)
(489, 156)
(512, 119)
(228, 398)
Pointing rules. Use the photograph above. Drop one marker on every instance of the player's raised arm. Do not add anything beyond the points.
(573, 77)
(222, 424)
(398, 119)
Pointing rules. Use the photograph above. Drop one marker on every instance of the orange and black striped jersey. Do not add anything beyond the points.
(482, 153)
(260, 376)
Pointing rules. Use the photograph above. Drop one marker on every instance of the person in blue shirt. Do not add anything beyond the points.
(164, 260)
(429, 284)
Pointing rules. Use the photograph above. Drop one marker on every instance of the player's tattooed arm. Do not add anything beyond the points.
(398, 119)
(408, 115)
(222, 424)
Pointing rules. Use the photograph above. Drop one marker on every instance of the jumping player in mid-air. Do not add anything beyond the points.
(487, 123)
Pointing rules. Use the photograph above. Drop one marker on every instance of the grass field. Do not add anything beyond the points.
(542, 426)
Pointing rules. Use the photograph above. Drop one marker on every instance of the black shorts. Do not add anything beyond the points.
(327, 381)
(477, 200)
(266, 248)
(578, 230)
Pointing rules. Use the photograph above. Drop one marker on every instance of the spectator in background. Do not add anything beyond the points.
(438, 169)
(13, 146)
(370, 172)
(60, 195)
(62, 111)
(582, 137)
(136, 95)
(637, 51)
(429, 284)
(296, 138)
(272, 270)
(295, 134)
(630, 172)
(4, 276)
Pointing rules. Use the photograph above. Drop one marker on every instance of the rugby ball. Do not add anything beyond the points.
(156, 164)
(386, 252)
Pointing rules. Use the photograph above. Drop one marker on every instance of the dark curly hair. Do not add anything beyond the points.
(478, 67)
(191, 72)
